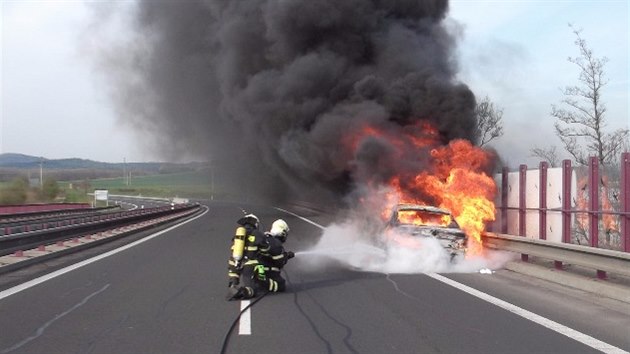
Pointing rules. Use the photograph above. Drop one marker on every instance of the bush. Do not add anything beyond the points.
(15, 192)
(50, 189)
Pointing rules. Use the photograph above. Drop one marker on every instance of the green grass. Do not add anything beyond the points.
(195, 184)
(187, 184)
(74, 195)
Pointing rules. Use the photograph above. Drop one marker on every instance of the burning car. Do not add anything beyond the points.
(408, 222)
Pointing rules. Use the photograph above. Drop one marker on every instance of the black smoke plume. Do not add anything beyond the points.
(269, 89)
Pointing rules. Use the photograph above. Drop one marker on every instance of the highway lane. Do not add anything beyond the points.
(166, 295)
(157, 297)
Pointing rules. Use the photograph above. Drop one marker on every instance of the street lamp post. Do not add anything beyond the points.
(41, 173)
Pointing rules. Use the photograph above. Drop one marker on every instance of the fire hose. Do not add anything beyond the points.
(226, 339)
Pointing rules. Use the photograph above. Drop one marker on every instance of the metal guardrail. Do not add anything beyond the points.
(15, 224)
(601, 205)
(11, 243)
(10, 218)
(19, 260)
(161, 199)
(14, 209)
(601, 260)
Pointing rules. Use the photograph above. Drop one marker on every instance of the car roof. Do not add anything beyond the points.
(418, 207)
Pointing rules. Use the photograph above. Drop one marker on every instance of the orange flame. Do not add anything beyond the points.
(609, 220)
(581, 202)
(453, 178)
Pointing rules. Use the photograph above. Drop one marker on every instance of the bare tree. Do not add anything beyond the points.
(580, 127)
(547, 154)
(489, 121)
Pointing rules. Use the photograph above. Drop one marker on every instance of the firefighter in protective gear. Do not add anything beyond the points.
(276, 257)
(246, 278)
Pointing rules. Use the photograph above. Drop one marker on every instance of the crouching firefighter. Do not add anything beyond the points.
(246, 274)
(275, 257)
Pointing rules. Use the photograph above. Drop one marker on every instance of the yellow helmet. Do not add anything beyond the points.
(280, 229)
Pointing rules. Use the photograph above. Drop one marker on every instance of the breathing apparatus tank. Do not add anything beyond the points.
(239, 245)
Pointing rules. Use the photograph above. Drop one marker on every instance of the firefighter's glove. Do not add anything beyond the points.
(259, 271)
(288, 255)
(238, 264)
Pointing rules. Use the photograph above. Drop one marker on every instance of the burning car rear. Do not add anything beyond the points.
(410, 223)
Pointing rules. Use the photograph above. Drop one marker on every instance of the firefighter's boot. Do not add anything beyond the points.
(239, 293)
(234, 293)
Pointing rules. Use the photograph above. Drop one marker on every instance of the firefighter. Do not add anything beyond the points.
(276, 257)
(245, 272)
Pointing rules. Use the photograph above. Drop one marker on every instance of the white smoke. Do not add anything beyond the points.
(350, 245)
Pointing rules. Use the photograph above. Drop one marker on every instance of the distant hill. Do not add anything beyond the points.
(10, 160)
(21, 161)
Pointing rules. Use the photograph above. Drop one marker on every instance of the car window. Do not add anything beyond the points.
(423, 218)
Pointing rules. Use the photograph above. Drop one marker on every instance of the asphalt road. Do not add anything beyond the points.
(166, 295)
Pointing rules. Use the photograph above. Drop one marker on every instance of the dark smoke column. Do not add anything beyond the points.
(271, 90)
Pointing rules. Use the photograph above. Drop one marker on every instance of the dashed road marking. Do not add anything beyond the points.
(245, 322)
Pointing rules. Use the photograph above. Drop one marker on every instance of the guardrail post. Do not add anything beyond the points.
(566, 201)
(522, 186)
(504, 200)
(542, 201)
(593, 181)
(625, 202)
(543, 208)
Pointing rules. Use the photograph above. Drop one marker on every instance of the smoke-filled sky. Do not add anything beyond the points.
(68, 89)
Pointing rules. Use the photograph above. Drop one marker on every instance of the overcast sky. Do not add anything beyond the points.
(54, 105)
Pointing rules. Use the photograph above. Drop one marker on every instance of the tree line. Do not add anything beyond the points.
(580, 117)
(19, 191)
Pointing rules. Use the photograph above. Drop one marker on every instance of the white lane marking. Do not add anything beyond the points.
(554, 326)
(245, 322)
(43, 328)
(36, 281)
(301, 217)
